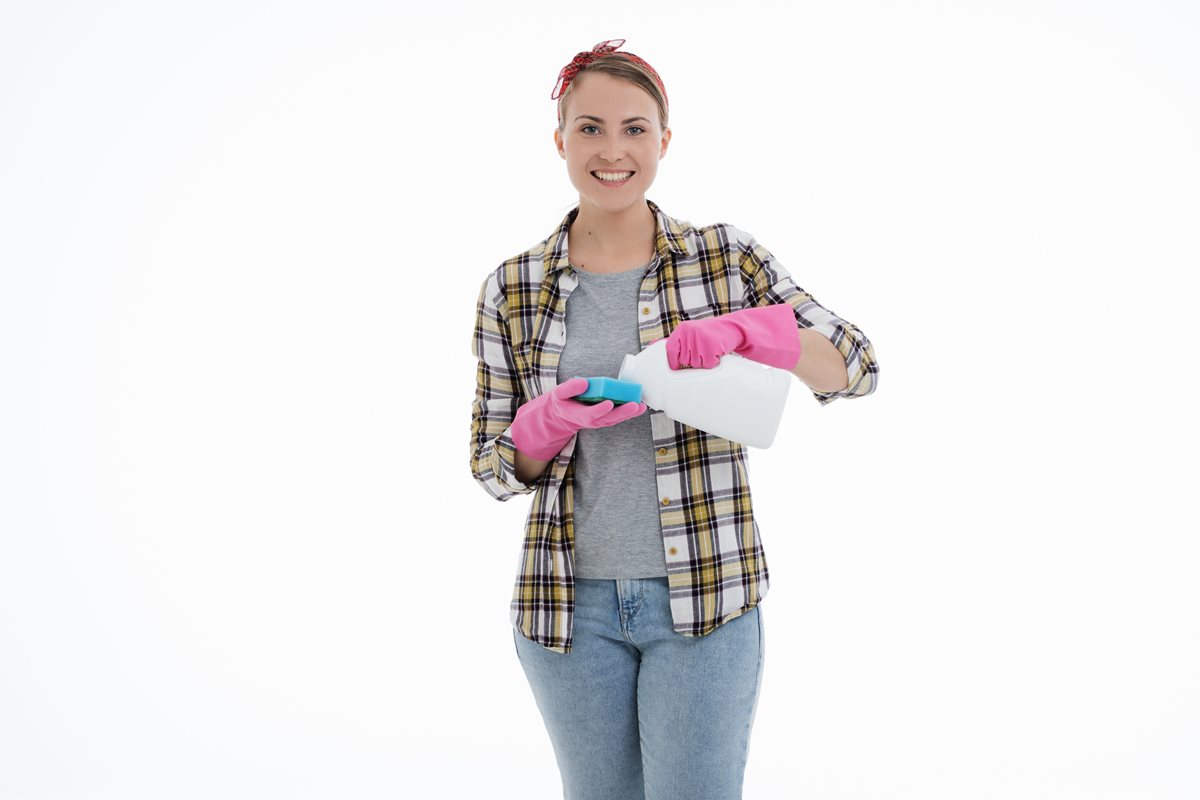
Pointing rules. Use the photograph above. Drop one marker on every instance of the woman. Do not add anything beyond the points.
(635, 609)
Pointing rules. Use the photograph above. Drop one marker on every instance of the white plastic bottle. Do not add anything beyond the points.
(739, 399)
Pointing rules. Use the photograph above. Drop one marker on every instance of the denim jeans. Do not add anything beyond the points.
(637, 711)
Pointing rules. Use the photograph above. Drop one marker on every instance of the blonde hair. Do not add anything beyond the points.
(618, 67)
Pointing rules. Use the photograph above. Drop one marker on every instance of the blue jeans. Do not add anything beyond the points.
(637, 711)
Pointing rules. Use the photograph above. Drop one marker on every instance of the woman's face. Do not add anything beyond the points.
(608, 138)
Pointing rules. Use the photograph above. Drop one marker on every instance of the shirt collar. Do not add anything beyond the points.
(670, 238)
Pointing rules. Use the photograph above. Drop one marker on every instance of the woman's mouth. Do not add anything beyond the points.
(613, 178)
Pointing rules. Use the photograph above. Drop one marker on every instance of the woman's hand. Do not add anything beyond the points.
(766, 334)
(547, 422)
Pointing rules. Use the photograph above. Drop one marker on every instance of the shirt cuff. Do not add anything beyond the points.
(504, 465)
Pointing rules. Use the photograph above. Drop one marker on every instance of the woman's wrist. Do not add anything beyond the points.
(529, 468)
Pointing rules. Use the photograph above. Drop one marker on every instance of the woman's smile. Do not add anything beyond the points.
(628, 176)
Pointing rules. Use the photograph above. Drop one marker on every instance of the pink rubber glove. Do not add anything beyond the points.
(766, 334)
(547, 422)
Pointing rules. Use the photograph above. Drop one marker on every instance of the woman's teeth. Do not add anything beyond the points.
(613, 177)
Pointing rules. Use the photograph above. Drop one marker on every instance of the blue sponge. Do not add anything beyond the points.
(601, 389)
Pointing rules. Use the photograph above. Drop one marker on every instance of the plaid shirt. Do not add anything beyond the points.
(715, 563)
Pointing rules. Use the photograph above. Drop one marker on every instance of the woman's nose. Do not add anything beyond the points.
(614, 150)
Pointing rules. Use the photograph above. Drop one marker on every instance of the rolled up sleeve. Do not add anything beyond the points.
(767, 282)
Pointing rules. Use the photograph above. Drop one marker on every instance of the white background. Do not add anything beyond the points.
(241, 551)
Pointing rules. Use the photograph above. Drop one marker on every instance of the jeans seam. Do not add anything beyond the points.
(757, 682)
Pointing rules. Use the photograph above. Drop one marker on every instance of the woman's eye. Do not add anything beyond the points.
(585, 128)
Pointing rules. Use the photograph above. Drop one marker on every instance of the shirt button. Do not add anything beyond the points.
(662, 451)
(672, 551)
(645, 309)
(666, 501)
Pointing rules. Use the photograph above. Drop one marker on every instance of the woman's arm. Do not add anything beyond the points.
(822, 332)
(821, 365)
(529, 468)
(494, 455)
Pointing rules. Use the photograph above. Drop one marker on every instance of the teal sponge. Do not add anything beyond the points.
(601, 389)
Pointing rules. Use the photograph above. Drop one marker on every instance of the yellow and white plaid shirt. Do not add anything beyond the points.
(716, 567)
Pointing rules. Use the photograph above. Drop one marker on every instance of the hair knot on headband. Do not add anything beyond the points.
(607, 48)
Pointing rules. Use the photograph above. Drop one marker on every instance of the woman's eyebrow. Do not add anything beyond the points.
(623, 122)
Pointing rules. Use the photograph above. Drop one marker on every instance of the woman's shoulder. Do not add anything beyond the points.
(517, 280)
(715, 242)
(706, 239)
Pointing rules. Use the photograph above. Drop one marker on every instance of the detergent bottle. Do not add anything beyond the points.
(739, 399)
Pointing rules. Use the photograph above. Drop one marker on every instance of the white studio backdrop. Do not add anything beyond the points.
(241, 552)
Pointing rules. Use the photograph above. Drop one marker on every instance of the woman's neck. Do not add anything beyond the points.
(611, 235)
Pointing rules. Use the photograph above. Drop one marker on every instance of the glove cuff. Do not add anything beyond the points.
(772, 335)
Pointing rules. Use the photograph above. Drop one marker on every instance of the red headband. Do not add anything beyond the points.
(601, 50)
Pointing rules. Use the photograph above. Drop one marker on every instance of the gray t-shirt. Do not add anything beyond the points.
(617, 530)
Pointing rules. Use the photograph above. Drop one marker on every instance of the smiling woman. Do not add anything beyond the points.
(612, 132)
(636, 605)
